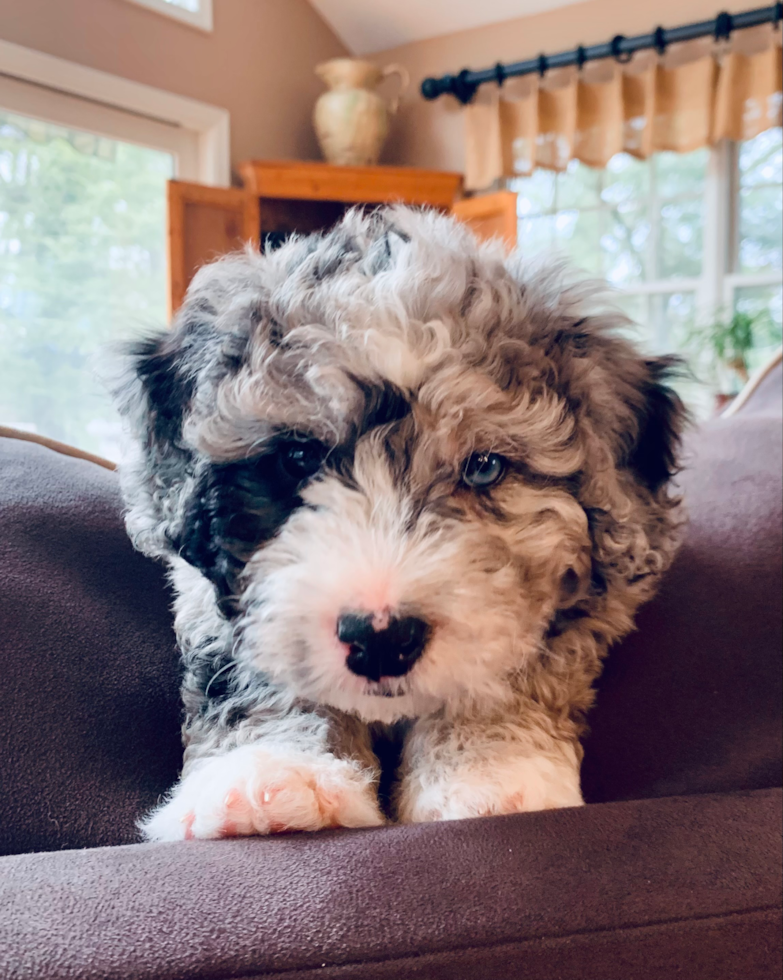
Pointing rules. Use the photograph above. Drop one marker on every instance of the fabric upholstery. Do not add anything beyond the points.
(767, 397)
(89, 714)
(681, 887)
(691, 702)
(647, 889)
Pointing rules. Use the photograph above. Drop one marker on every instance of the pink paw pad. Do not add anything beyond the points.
(187, 821)
(233, 799)
(514, 803)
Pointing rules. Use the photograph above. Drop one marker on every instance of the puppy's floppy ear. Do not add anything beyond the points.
(158, 382)
(164, 371)
(165, 386)
(653, 452)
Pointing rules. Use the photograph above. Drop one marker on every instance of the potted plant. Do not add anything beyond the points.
(723, 346)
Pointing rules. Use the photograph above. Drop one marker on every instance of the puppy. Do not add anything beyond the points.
(402, 483)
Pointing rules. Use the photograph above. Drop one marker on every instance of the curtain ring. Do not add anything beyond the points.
(542, 65)
(622, 56)
(724, 25)
(500, 73)
(659, 40)
(581, 57)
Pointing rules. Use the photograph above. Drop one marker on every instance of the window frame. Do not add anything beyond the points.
(727, 156)
(714, 290)
(201, 19)
(69, 112)
(98, 96)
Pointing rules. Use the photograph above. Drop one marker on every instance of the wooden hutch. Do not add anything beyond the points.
(281, 197)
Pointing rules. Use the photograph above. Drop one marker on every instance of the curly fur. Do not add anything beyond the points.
(401, 346)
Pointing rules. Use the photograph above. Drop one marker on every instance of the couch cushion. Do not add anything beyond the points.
(687, 887)
(691, 702)
(766, 397)
(89, 718)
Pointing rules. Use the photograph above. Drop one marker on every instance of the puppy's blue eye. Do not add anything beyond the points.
(483, 469)
(302, 459)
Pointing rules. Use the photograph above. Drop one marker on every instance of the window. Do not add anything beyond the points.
(82, 263)
(681, 237)
(756, 246)
(197, 13)
(84, 160)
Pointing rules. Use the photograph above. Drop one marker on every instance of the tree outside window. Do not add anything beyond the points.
(82, 264)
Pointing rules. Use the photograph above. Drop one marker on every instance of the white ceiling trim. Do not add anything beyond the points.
(367, 26)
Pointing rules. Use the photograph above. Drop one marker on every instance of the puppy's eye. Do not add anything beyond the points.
(302, 459)
(483, 469)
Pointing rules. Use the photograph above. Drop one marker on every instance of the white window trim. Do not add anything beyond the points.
(209, 125)
(730, 202)
(74, 113)
(201, 18)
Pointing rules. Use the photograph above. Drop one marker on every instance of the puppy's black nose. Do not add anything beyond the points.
(390, 652)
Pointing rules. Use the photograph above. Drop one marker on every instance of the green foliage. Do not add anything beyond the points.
(82, 263)
(724, 345)
(634, 221)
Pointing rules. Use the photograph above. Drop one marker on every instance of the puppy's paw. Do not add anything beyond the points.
(253, 790)
(536, 783)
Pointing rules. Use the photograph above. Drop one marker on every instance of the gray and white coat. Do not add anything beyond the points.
(405, 485)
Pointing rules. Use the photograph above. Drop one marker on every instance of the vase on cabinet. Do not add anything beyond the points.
(351, 120)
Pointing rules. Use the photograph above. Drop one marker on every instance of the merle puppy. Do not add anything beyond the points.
(400, 480)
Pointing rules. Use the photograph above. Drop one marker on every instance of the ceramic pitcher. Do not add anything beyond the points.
(351, 120)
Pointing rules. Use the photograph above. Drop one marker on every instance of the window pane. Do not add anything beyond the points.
(678, 174)
(761, 229)
(624, 245)
(671, 316)
(625, 180)
(579, 234)
(760, 246)
(618, 222)
(664, 318)
(765, 305)
(536, 235)
(536, 192)
(635, 307)
(82, 263)
(663, 322)
(761, 159)
(680, 239)
(578, 187)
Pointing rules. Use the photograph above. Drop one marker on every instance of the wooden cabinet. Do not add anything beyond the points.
(350, 185)
(490, 215)
(203, 224)
(281, 197)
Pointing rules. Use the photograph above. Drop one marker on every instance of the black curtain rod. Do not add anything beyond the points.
(463, 86)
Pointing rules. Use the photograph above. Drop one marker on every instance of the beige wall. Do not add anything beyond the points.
(429, 134)
(257, 63)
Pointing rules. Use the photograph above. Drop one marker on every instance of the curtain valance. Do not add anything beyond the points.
(693, 95)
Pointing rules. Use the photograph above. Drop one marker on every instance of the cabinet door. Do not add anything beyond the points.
(204, 223)
(490, 216)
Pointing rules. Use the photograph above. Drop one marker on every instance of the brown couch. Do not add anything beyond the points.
(672, 870)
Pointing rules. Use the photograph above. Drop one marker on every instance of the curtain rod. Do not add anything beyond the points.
(463, 86)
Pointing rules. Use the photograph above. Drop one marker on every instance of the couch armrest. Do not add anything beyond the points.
(644, 889)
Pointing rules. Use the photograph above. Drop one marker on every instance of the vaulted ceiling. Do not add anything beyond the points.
(366, 26)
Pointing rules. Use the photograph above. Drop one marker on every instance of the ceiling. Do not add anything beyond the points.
(366, 26)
